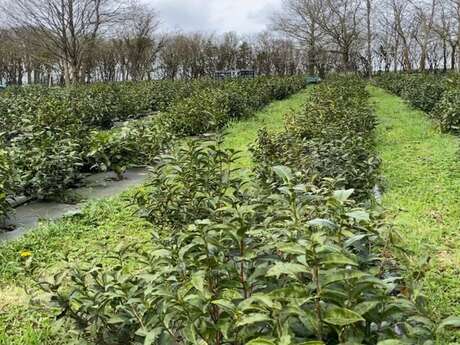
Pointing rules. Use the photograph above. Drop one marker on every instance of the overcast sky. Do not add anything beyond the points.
(242, 16)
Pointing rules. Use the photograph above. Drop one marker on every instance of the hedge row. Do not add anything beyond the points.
(331, 140)
(53, 135)
(436, 94)
(93, 106)
(236, 261)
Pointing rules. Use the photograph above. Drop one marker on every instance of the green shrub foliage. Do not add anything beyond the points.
(203, 111)
(134, 143)
(236, 262)
(331, 138)
(447, 111)
(436, 94)
(54, 134)
(6, 184)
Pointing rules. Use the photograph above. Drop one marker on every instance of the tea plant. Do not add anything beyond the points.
(332, 138)
(185, 186)
(6, 180)
(51, 131)
(289, 264)
(46, 163)
(447, 111)
(204, 111)
(135, 143)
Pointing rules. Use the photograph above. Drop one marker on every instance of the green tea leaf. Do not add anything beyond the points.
(342, 317)
(253, 318)
(287, 268)
(343, 195)
(261, 341)
(450, 322)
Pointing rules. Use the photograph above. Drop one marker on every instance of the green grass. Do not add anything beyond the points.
(102, 227)
(421, 169)
(242, 134)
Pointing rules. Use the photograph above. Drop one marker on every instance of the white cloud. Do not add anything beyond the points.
(243, 16)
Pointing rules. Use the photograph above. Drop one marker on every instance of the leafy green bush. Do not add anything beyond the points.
(332, 138)
(447, 111)
(424, 91)
(392, 82)
(47, 163)
(6, 179)
(244, 265)
(137, 142)
(47, 151)
(346, 161)
(204, 111)
(336, 109)
(176, 197)
(212, 107)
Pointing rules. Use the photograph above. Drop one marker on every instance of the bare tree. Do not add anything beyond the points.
(299, 19)
(67, 29)
(369, 36)
(140, 42)
(341, 21)
(425, 12)
(401, 17)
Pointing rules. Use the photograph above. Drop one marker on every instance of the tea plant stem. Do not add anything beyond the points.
(318, 301)
(242, 277)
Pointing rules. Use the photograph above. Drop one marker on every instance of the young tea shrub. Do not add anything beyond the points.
(6, 184)
(347, 161)
(335, 109)
(424, 91)
(204, 111)
(47, 151)
(184, 183)
(332, 138)
(134, 143)
(111, 150)
(46, 163)
(292, 264)
(447, 111)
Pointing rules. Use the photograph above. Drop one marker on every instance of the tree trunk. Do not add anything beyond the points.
(369, 38)
(444, 54)
(423, 56)
(67, 79)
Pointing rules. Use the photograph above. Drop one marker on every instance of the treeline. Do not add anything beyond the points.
(83, 41)
(369, 35)
(124, 44)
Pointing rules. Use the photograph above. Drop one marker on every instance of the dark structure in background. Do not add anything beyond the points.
(237, 73)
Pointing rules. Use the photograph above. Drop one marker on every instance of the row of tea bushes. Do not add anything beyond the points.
(93, 106)
(436, 94)
(331, 138)
(5, 183)
(211, 108)
(51, 145)
(134, 143)
(236, 261)
(206, 109)
(100, 106)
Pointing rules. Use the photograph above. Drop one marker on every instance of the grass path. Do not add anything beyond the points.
(241, 134)
(100, 228)
(422, 175)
